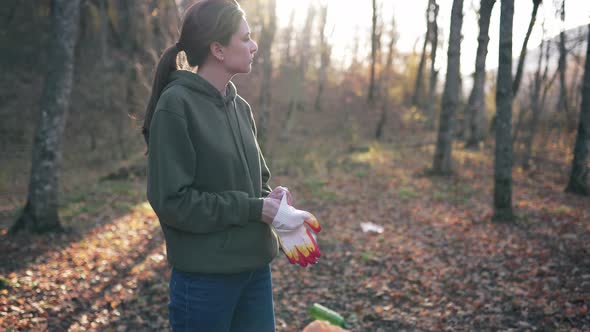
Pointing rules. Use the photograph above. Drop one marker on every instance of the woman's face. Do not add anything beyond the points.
(238, 54)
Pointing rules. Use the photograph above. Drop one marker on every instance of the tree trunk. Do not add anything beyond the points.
(546, 88)
(382, 119)
(371, 94)
(576, 87)
(325, 51)
(418, 87)
(386, 80)
(296, 101)
(537, 101)
(562, 66)
(264, 48)
(430, 111)
(41, 210)
(476, 108)
(578, 182)
(287, 57)
(521, 58)
(304, 50)
(442, 163)
(503, 151)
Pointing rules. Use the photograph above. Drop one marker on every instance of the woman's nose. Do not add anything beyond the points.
(254, 48)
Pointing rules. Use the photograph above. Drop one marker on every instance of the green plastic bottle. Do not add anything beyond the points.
(319, 312)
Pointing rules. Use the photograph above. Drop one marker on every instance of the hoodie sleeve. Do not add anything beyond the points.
(171, 164)
(265, 172)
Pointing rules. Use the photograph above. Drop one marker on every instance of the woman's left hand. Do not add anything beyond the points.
(278, 192)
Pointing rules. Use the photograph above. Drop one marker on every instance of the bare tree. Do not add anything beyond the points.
(40, 213)
(538, 95)
(325, 52)
(269, 26)
(575, 85)
(576, 80)
(386, 79)
(304, 47)
(562, 65)
(374, 43)
(418, 87)
(519, 69)
(578, 182)
(476, 107)
(287, 58)
(521, 58)
(442, 163)
(296, 99)
(503, 151)
(430, 112)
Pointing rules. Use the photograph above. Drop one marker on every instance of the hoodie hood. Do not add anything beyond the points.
(198, 84)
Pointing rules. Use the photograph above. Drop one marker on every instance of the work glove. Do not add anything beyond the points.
(300, 245)
(289, 218)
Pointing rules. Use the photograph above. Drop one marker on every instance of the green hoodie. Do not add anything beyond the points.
(207, 177)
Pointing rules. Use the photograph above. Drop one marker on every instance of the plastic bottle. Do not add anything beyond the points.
(319, 312)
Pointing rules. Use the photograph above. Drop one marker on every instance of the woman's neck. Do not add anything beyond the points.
(216, 75)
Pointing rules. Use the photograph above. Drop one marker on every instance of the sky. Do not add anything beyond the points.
(347, 17)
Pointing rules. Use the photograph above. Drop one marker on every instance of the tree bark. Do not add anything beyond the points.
(40, 213)
(476, 107)
(386, 80)
(562, 65)
(442, 163)
(325, 51)
(418, 87)
(371, 94)
(296, 100)
(537, 102)
(523, 50)
(287, 57)
(503, 150)
(523, 108)
(430, 111)
(578, 182)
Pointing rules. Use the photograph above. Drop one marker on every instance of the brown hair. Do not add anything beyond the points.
(203, 23)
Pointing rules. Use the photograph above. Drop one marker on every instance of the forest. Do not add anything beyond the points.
(453, 191)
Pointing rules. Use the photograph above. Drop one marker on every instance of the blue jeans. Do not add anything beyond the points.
(240, 302)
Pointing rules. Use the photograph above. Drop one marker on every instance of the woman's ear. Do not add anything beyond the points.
(217, 50)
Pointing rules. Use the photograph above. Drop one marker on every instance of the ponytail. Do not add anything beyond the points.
(166, 65)
(204, 22)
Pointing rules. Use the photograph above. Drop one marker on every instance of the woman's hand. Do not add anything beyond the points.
(289, 218)
(278, 192)
(270, 207)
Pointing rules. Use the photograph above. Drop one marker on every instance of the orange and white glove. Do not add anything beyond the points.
(300, 245)
(289, 218)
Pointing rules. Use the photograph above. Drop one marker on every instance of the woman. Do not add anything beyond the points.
(208, 181)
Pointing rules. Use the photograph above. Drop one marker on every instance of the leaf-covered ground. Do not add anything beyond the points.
(439, 264)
